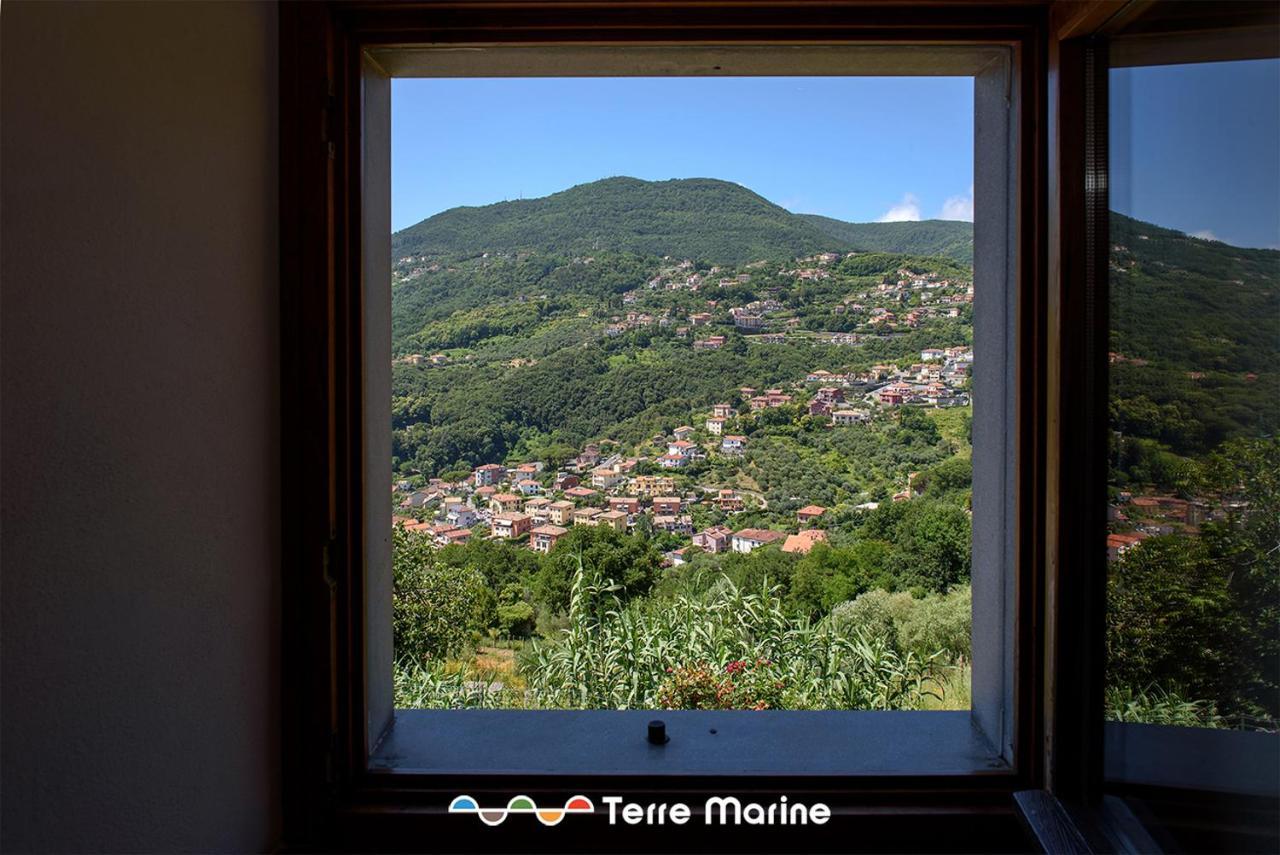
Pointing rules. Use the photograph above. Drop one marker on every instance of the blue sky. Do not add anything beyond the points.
(1197, 148)
(857, 149)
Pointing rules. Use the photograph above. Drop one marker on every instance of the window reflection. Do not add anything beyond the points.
(1193, 543)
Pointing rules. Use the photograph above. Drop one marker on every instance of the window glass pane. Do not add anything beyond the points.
(1194, 504)
(681, 392)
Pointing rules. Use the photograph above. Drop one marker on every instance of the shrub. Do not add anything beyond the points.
(516, 620)
(939, 622)
(740, 685)
(876, 614)
(936, 624)
(617, 657)
(1154, 705)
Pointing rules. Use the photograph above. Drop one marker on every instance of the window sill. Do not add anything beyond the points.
(717, 743)
(1225, 761)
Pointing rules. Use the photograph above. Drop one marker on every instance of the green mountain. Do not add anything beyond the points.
(698, 218)
(703, 219)
(950, 238)
(1200, 305)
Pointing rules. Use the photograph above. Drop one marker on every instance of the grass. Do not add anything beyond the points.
(955, 681)
(950, 424)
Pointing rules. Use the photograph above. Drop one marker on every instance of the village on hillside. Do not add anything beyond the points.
(528, 503)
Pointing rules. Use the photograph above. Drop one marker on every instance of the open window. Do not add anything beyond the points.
(1193, 254)
(616, 647)
(358, 767)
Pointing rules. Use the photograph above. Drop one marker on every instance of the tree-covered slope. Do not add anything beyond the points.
(1190, 303)
(697, 218)
(950, 238)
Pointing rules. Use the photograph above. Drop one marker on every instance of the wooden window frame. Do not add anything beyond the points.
(331, 795)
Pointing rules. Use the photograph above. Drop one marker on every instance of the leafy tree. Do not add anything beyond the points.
(632, 563)
(435, 608)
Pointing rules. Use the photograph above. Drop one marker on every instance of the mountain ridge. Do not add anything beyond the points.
(705, 219)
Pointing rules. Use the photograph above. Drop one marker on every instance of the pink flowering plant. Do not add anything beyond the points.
(741, 684)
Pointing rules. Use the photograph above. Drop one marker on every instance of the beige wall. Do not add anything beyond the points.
(138, 428)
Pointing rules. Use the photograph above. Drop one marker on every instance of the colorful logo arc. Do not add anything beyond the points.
(522, 804)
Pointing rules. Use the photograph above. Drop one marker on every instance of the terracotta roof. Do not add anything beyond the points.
(804, 541)
(763, 535)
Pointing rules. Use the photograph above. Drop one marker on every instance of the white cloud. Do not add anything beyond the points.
(958, 207)
(1205, 234)
(908, 210)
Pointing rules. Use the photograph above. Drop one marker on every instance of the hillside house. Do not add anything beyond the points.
(416, 499)
(528, 487)
(733, 444)
(714, 540)
(772, 398)
(616, 520)
(809, 513)
(560, 513)
(586, 516)
(729, 501)
(674, 523)
(647, 486)
(803, 542)
(537, 508)
(627, 504)
(844, 418)
(511, 526)
(543, 538)
(683, 432)
(673, 461)
(565, 480)
(604, 477)
(488, 475)
(1119, 544)
(582, 494)
(682, 447)
(893, 395)
(453, 536)
(666, 504)
(722, 411)
(830, 395)
(461, 516)
(504, 503)
(752, 538)
(715, 425)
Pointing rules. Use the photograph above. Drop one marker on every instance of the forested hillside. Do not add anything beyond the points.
(757, 424)
(697, 218)
(950, 238)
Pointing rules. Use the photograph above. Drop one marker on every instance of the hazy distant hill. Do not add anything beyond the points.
(951, 238)
(703, 219)
(1198, 304)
